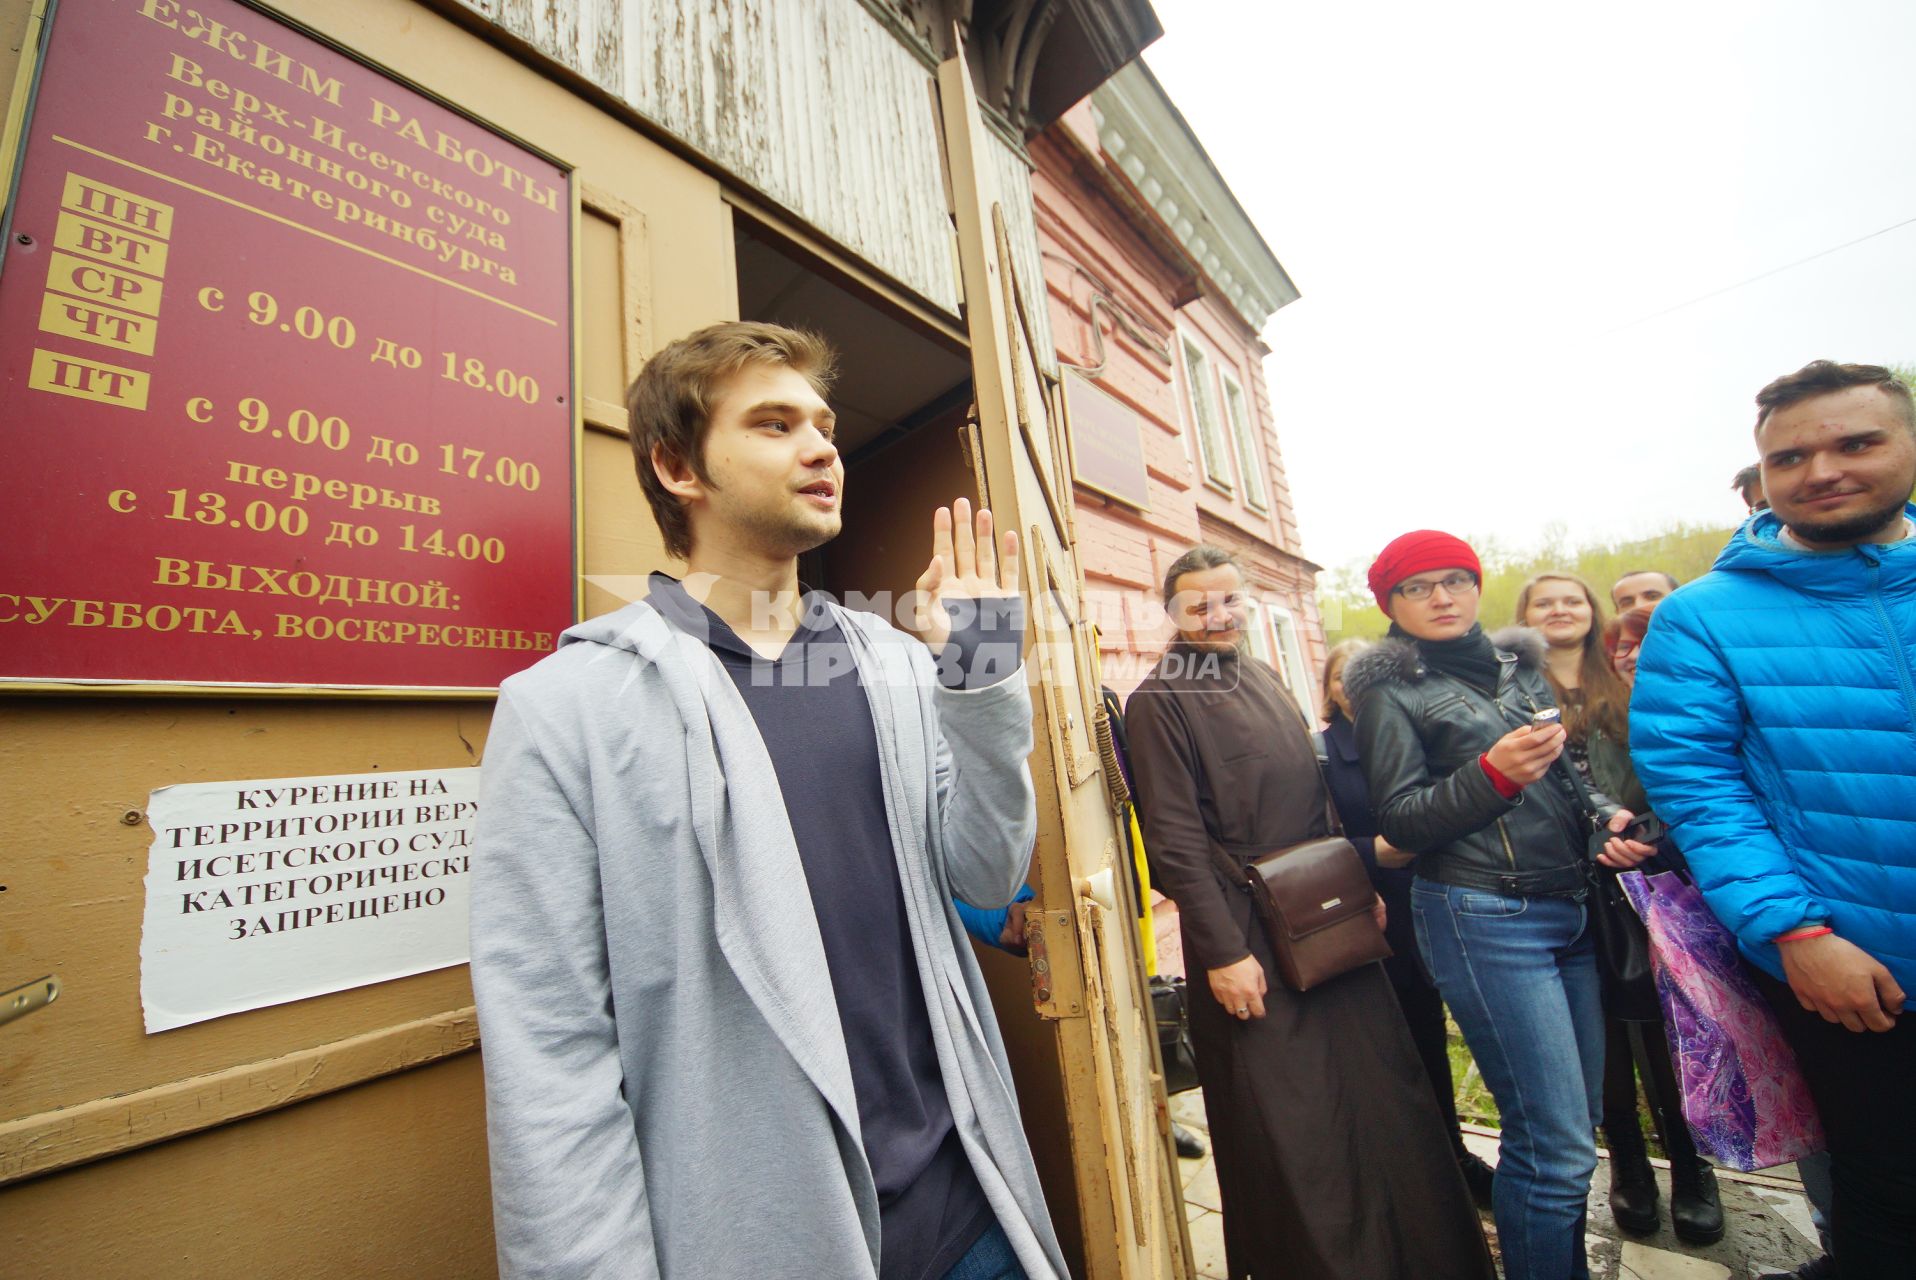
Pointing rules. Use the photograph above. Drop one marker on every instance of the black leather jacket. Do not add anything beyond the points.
(1420, 733)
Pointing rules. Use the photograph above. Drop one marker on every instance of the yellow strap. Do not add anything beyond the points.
(1147, 930)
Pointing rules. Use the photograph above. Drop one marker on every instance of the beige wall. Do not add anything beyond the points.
(123, 1153)
(388, 1179)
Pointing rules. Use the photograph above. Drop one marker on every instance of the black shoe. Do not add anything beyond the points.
(1478, 1176)
(1189, 1145)
(1695, 1211)
(1633, 1183)
(1823, 1268)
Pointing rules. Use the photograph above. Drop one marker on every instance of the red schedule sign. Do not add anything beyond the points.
(285, 369)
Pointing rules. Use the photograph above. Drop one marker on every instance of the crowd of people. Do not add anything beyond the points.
(731, 835)
(1495, 784)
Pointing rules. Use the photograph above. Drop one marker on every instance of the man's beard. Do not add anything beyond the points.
(785, 534)
(1850, 529)
(1216, 641)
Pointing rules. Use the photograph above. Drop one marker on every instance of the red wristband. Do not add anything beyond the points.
(1505, 787)
(1808, 931)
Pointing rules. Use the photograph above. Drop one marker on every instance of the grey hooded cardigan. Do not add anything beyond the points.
(667, 1087)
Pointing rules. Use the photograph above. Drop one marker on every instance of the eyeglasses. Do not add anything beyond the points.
(1455, 584)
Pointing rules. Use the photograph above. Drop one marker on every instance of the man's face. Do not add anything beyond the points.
(777, 479)
(1210, 610)
(1639, 588)
(1838, 468)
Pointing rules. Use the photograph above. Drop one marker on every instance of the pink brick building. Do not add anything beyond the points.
(1158, 285)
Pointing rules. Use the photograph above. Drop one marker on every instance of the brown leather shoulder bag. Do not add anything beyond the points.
(1314, 900)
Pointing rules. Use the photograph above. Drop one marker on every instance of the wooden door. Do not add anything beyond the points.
(1087, 979)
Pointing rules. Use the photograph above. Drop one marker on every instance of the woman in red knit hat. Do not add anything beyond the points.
(1462, 775)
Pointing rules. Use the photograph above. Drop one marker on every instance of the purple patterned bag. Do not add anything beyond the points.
(1743, 1094)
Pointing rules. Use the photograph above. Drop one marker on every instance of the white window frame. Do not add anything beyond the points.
(1237, 413)
(1214, 456)
(1181, 379)
(1290, 647)
(1260, 635)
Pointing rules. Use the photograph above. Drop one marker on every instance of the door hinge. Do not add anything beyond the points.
(1057, 968)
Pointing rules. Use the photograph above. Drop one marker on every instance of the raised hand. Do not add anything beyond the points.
(966, 564)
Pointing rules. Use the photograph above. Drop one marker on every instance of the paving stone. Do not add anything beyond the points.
(1759, 1238)
(1769, 1227)
(1207, 1245)
(1642, 1262)
(1187, 1109)
(1601, 1252)
(1481, 1145)
(1201, 1189)
(1793, 1209)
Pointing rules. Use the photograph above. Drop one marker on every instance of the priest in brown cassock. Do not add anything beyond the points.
(1332, 1160)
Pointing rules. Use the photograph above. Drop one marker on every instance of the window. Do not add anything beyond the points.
(1290, 648)
(1273, 638)
(1210, 436)
(1249, 465)
(1259, 634)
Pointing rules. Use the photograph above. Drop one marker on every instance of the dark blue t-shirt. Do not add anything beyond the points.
(813, 714)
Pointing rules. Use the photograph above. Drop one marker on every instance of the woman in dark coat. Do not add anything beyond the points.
(1332, 1163)
(1390, 872)
(1463, 773)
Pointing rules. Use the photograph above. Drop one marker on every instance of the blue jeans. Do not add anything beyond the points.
(1520, 977)
(990, 1258)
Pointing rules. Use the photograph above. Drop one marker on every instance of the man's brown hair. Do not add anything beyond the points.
(1821, 377)
(1199, 558)
(669, 406)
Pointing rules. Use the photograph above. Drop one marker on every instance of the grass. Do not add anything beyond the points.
(1474, 1103)
(1476, 1106)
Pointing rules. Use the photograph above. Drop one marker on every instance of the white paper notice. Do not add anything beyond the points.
(262, 892)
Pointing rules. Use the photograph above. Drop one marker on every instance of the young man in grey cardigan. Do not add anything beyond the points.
(730, 1024)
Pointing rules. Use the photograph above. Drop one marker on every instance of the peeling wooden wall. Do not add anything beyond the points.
(814, 104)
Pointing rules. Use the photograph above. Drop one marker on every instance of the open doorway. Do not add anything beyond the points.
(901, 398)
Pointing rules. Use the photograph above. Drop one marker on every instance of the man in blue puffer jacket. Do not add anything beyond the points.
(1774, 727)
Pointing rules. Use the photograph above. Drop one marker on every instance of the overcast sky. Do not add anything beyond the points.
(1486, 204)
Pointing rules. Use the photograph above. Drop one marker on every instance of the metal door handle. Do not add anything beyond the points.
(21, 1001)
